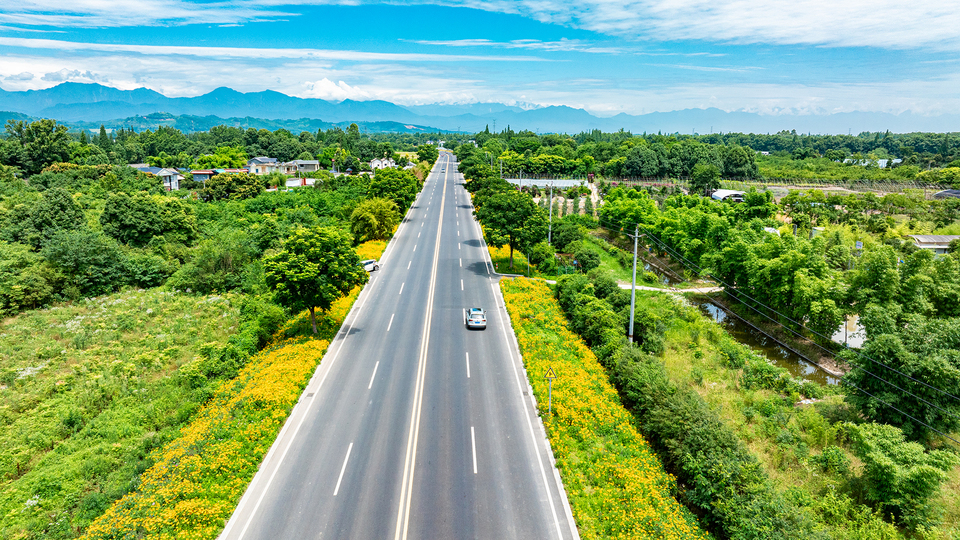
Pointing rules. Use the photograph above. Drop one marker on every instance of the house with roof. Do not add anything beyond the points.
(382, 163)
(300, 166)
(170, 177)
(262, 165)
(203, 175)
(938, 243)
(727, 195)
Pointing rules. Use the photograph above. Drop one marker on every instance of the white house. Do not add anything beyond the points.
(170, 177)
(300, 166)
(938, 243)
(382, 164)
(262, 165)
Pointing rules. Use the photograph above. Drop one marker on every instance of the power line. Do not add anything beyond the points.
(700, 271)
(737, 290)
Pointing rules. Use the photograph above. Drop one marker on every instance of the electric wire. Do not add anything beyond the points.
(728, 287)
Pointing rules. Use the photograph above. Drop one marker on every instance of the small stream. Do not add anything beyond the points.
(795, 364)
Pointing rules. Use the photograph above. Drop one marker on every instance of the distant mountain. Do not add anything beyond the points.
(190, 123)
(94, 103)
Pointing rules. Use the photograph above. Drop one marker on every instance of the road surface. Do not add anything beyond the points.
(413, 426)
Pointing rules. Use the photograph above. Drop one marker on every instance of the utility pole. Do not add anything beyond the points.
(633, 290)
(550, 226)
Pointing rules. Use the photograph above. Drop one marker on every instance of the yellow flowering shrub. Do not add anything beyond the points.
(616, 486)
(198, 478)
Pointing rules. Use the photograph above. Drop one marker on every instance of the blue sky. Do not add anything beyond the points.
(633, 56)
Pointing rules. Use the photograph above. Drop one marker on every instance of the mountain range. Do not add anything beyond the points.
(81, 104)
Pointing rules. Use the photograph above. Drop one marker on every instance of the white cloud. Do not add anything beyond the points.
(22, 76)
(850, 23)
(246, 52)
(334, 91)
(65, 74)
(564, 45)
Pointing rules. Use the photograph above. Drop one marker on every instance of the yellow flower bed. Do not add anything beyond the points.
(501, 260)
(616, 485)
(371, 250)
(198, 478)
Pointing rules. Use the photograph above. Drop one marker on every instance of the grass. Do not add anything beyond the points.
(616, 486)
(88, 391)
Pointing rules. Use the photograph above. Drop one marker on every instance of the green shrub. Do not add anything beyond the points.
(901, 478)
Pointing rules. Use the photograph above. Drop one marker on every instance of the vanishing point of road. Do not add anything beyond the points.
(413, 426)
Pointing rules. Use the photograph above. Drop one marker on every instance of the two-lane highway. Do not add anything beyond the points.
(414, 426)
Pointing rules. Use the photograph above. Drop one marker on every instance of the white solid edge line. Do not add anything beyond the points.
(533, 435)
(375, 366)
(473, 443)
(326, 367)
(342, 469)
(391, 322)
(468, 365)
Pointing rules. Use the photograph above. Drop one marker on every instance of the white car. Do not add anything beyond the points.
(475, 318)
(370, 265)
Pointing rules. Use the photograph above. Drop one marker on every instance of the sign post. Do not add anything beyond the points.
(550, 376)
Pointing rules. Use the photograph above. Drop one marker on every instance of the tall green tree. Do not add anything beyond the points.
(428, 153)
(40, 143)
(399, 186)
(374, 219)
(236, 186)
(314, 267)
(704, 178)
(512, 218)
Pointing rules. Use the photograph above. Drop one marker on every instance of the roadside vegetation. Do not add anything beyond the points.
(616, 486)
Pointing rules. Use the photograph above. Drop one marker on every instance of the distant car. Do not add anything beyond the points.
(370, 265)
(475, 318)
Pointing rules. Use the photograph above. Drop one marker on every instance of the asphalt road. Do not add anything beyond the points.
(414, 426)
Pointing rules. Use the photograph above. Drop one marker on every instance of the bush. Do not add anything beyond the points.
(540, 254)
(901, 478)
(216, 264)
(92, 263)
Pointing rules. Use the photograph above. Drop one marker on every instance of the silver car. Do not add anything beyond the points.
(475, 318)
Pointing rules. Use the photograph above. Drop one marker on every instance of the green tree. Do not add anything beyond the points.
(512, 218)
(236, 186)
(40, 143)
(91, 262)
(136, 219)
(224, 157)
(428, 153)
(704, 178)
(397, 185)
(315, 267)
(374, 219)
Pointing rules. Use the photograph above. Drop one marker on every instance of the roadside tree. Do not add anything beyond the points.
(315, 267)
(374, 219)
(512, 218)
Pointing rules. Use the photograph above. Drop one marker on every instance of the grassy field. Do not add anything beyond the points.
(616, 486)
(88, 391)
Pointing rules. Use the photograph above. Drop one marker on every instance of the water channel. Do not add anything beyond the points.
(776, 353)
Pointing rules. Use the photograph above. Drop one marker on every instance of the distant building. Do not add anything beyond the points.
(170, 177)
(727, 195)
(382, 164)
(300, 166)
(947, 194)
(938, 243)
(203, 175)
(262, 165)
